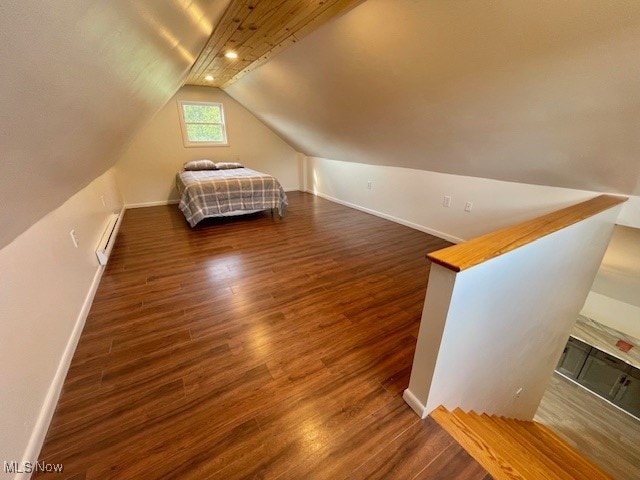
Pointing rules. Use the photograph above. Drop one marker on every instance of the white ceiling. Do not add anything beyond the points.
(542, 92)
(78, 78)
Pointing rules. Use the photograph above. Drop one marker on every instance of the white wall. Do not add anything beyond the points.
(46, 287)
(506, 322)
(146, 172)
(614, 299)
(613, 313)
(414, 197)
(630, 214)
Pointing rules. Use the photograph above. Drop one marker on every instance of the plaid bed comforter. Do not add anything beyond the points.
(210, 193)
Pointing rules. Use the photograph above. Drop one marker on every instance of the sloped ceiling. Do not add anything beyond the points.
(78, 78)
(542, 92)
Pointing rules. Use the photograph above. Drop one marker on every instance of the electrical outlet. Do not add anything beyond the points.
(74, 238)
(468, 206)
(446, 202)
(369, 184)
(104, 203)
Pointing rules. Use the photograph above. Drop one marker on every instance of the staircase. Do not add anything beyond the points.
(516, 449)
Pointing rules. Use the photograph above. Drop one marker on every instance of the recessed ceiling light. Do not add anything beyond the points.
(231, 55)
(209, 78)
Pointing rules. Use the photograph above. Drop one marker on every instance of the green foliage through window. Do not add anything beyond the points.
(204, 133)
(203, 122)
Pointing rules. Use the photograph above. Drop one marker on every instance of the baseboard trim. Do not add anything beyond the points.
(51, 400)
(151, 204)
(406, 223)
(415, 404)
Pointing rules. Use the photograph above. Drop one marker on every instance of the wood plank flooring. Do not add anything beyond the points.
(601, 432)
(253, 348)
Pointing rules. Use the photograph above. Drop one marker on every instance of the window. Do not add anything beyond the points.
(202, 124)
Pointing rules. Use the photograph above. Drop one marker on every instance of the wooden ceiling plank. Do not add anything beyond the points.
(232, 68)
(301, 29)
(253, 14)
(257, 30)
(252, 46)
(287, 26)
(204, 57)
(254, 25)
(268, 24)
(280, 35)
(224, 30)
(222, 33)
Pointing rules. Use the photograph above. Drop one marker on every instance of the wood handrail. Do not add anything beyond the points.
(480, 249)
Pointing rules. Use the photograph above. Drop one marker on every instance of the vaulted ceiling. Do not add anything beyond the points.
(542, 92)
(78, 79)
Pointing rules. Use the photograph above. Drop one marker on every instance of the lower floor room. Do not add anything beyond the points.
(599, 430)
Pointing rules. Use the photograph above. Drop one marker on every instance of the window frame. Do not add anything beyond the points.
(183, 125)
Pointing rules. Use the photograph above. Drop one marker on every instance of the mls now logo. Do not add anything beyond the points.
(30, 467)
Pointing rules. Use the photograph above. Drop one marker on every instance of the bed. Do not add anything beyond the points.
(227, 192)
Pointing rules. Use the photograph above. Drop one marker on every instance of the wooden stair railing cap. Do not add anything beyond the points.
(480, 249)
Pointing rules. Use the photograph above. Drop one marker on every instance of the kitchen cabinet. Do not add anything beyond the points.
(628, 396)
(602, 374)
(573, 358)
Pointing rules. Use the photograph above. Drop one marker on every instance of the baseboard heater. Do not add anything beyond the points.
(108, 239)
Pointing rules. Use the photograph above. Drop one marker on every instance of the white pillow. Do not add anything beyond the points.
(228, 165)
(200, 165)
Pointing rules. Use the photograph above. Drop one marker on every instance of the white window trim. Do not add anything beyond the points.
(183, 126)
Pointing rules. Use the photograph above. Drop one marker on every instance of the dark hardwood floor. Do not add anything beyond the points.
(253, 348)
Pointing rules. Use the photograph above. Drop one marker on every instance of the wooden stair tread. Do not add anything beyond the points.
(516, 449)
(554, 462)
(475, 445)
(576, 459)
(524, 461)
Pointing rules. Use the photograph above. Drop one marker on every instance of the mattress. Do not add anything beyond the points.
(214, 193)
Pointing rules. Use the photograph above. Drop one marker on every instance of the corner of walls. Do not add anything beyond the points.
(301, 160)
(47, 290)
(434, 316)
